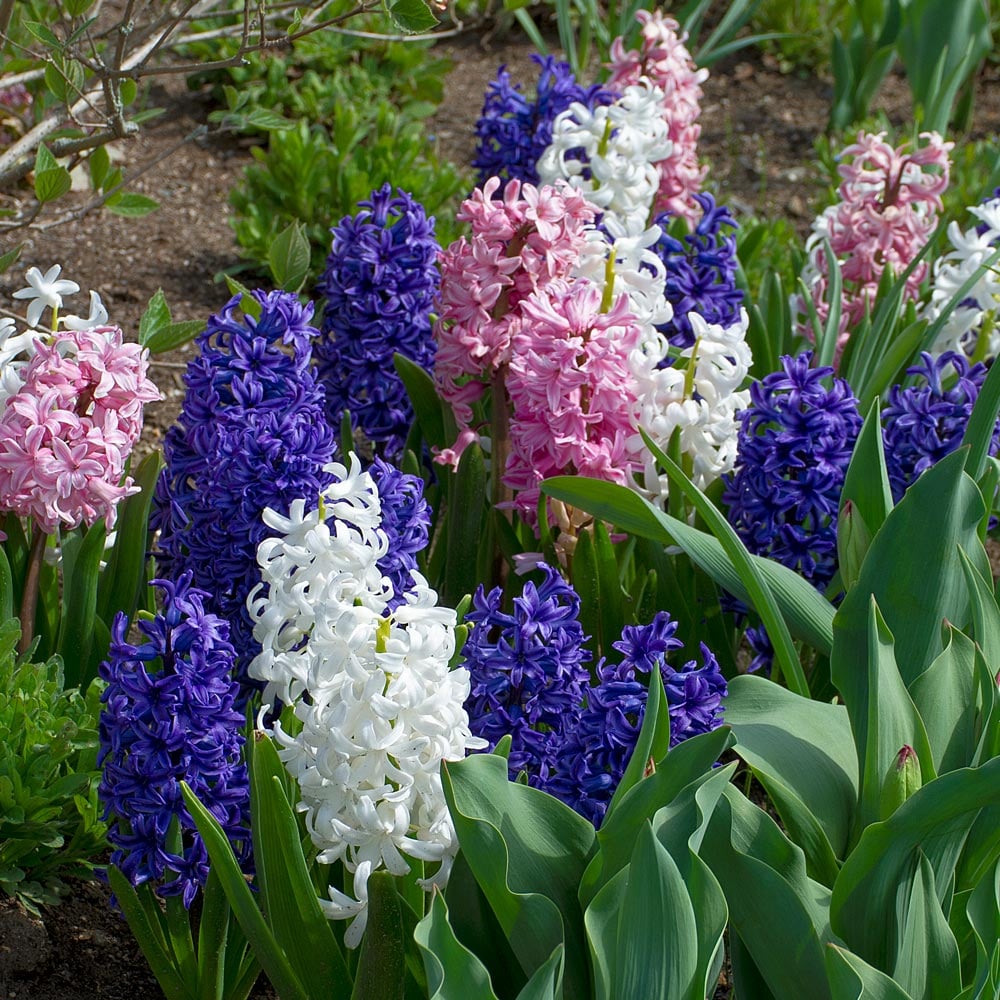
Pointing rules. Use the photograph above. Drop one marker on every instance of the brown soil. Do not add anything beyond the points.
(758, 129)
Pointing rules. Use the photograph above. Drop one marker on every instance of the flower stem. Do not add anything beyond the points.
(499, 449)
(29, 596)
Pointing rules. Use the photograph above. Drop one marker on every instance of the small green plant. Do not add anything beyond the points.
(49, 814)
(805, 27)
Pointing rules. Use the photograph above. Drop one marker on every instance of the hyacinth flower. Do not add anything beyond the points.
(368, 678)
(570, 734)
(379, 286)
(922, 423)
(513, 131)
(972, 326)
(252, 435)
(71, 408)
(664, 60)
(700, 271)
(169, 716)
(887, 209)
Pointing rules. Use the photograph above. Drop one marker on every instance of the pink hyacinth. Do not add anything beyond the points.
(572, 391)
(889, 200)
(664, 60)
(66, 433)
(519, 243)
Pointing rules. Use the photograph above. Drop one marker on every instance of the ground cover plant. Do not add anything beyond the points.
(509, 596)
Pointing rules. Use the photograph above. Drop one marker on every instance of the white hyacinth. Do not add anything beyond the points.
(378, 705)
(971, 249)
(622, 143)
(702, 401)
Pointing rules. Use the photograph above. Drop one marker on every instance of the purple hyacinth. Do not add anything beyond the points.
(252, 434)
(527, 672)
(379, 286)
(795, 442)
(169, 716)
(701, 271)
(595, 755)
(924, 422)
(406, 519)
(513, 131)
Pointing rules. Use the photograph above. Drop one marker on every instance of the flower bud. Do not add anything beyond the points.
(853, 541)
(901, 781)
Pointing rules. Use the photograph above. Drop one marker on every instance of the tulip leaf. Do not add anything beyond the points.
(453, 972)
(936, 820)
(982, 423)
(601, 920)
(985, 613)
(804, 750)
(546, 983)
(656, 954)
(983, 912)
(866, 483)
(381, 968)
(528, 852)
(851, 978)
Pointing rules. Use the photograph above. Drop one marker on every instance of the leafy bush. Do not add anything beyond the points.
(49, 826)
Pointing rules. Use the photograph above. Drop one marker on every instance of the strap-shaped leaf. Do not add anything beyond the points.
(76, 628)
(852, 978)
(381, 968)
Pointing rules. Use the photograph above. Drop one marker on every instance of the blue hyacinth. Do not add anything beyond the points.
(514, 131)
(380, 281)
(701, 271)
(594, 757)
(169, 716)
(795, 442)
(252, 434)
(406, 519)
(924, 422)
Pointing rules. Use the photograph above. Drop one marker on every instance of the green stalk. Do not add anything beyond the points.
(29, 596)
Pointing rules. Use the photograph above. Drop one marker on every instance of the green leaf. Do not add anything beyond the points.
(270, 955)
(131, 204)
(935, 820)
(466, 509)
(657, 935)
(983, 419)
(808, 613)
(51, 180)
(852, 978)
(125, 576)
(288, 895)
(288, 257)
(528, 852)
(546, 983)
(803, 753)
(381, 967)
(453, 971)
(76, 629)
(170, 337)
(10, 257)
(983, 912)
(427, 405)
(43, 34)
(250, 306)
(866, 484)
(155, 317)
(412, 16)
(6, 588)
(77, 7)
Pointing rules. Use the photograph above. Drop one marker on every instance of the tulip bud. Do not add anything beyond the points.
(853, 541)
(901, 781)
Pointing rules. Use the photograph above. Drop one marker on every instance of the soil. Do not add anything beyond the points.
(758, 130)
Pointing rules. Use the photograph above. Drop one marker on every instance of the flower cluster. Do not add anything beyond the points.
(573, 737)
(924, 422)
(380, 281)
(795, 442)
(700, 271)
(609, 153)
(664, 60)
(169, 717)
(971, 326)
(72, 416)
(252, 434)
(889, 200)
(700, 396)
(519, 243)
(513, 131)
(371, 686)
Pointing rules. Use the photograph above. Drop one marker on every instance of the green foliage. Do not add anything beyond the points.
(49, 826)
(806, 27)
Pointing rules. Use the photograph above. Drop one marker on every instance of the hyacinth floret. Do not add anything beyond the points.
(664, 60)
(513, 131)
(795, 442)
(887, 210)
(406, 519)
(700, 271)
(926, 421)
(72, 413)
(379, 285)
(252, 434)
(528, 673)
(378, 707)
(169, 716)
